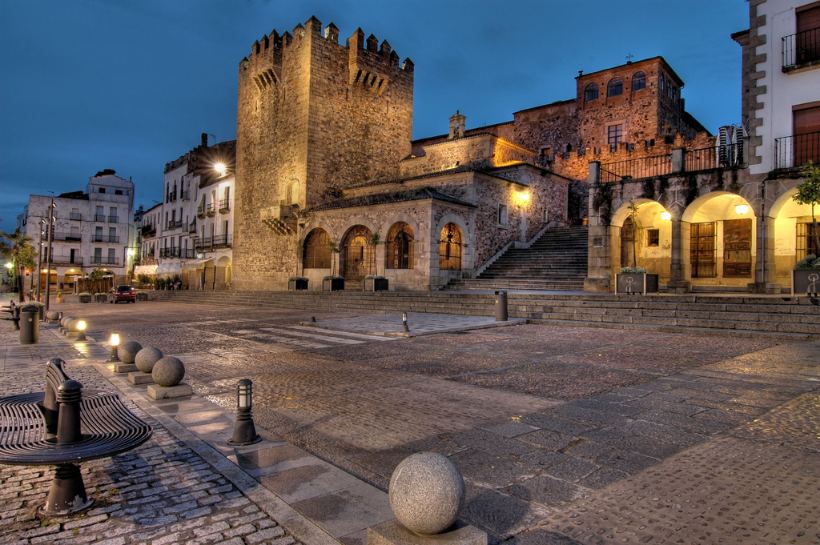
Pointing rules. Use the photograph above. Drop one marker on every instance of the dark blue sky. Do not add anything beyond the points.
(130, 84)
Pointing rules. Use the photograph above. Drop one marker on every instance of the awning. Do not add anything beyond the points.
(195, 263)
(169, 268)
(145, 269)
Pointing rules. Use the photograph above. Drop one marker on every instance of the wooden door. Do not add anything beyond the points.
(737, 248)
(702, 250)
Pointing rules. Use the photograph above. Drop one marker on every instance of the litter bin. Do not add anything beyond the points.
(29, 324)
(501, 314)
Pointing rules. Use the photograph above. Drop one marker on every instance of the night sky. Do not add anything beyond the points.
(130, 84)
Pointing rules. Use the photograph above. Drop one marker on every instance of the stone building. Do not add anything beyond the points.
(92, 230)
(189, 236)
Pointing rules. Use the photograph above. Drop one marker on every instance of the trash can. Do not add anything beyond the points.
(29, 324)
(501, 314)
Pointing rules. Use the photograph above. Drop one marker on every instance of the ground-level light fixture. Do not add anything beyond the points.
(244, 431)
(81, 326)
(742, 209)
(220, 168)
(666, 216)
(114, 341)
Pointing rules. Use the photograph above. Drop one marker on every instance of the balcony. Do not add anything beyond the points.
(210, 209)
(70, 237)
(104, 260)
(174, 224)
(186, 195)
(796, 150)
(224, 206)
(106, 238)
(213, 243)
(200, 211)
(148, 230)
(75, 216)
(182, 253)
(99, 217)
(801, 49)
(192, 227)
(171, 197)
(113, 219)
(66, 260)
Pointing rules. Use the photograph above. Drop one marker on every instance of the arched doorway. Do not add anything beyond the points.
(223, 268)
(720, 240)
(794, 235)
(355, 253)
(450, 246)
(399, 247)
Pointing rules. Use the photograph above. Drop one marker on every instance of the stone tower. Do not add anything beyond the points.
(313, 117)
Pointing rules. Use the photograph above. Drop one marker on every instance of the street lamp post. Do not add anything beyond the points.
(50, 240)
(40, 258)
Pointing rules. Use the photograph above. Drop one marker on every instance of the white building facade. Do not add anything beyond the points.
(92, 230)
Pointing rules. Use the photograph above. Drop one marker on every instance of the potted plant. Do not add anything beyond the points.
(333, 282)
(635, 279)
(59, 296)
(297, 283)
(374, 282)
(85, 297)
(101, 297)
(806, 276)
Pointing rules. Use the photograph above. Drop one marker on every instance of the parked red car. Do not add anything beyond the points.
(124, 293)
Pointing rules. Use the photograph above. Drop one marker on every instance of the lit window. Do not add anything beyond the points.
(615, 87)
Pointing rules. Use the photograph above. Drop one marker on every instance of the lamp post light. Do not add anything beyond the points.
(244, 431)
(221, 168)
(114, 341)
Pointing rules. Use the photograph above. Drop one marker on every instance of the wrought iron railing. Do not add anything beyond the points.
(106, 238)
(801, 49)
(66, 260)
(217, 241)
(224, 205)
(104, 260)
(99, 217)
(725, 156)
(641, 167)
(66, 236)
(113, 219)
(796, 150)
(75, 216)
(174, 224)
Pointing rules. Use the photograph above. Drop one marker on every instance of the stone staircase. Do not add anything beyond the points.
(556, 261)
(725, 314)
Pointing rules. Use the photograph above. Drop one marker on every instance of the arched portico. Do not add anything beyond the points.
(794, 235)
(642, 237)
(356, 250)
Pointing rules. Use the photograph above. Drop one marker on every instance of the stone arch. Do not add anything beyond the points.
(399, 246)
(223, 273)
(316, 252)
(793, 234)
(645, 242)
(451, 240)
(356, 256)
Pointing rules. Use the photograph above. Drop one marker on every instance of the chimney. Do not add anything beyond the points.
(204, 139)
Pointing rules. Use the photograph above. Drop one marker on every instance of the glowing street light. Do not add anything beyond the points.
(666, 216)
(742, 209)
(9, 265)
(221, 168)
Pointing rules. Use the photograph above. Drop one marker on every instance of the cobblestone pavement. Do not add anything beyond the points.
(161, 493)
(564, 435)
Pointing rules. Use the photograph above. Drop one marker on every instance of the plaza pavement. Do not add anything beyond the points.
(564, 435)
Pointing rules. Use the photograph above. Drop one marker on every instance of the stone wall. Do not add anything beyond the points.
(479, 150)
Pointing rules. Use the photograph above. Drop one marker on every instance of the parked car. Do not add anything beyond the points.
(124, 293)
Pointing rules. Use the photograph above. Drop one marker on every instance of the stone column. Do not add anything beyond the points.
(678, 160)
(765, 280)
(676, 280)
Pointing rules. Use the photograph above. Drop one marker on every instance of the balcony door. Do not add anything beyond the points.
(806, 123)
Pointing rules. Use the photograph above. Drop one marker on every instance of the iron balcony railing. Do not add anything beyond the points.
(99, 217)
(183, 253)
(104, 260)
(801, 49)
(224, 205)
(174, 224)
(75, 216)
(192, 227)
(724, 156)
(113, 219)
(186, 195)
(210, 209)
(148, 230)
(66, 236)
(796, 150)
(66, 260)
(106, 238)
(217, 241)
(641, 167)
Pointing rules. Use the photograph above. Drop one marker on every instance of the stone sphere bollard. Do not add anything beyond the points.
(426, 493)
(128, 351)
(147, 358)
(53, 315)
(71, 324)
(168, 371)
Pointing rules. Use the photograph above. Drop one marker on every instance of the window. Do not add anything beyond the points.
(806, 242)
(614, 135)
(662, 84)
(317, 250)
(449, 248)
(118, 192)
(112, 234)
(638, 81)
(102, 190)
(615, 87)
(807, 39)
(503, 218)
(653, 237)
(112, 256)
(590, 92)
(399, 247)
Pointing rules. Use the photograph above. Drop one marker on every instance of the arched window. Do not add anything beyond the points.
(399, 247)
(449, 248)
(638, 81)
(317, 250)
(590, 92)
(615, 87)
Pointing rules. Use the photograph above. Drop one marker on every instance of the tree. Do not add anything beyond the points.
(22, 255)
(808, 192)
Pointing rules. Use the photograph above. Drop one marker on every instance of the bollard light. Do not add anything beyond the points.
(404, 322)
(244, 431)
(81, 326)
(114, 342)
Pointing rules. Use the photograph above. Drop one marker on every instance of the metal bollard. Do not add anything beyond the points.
(29, 325)
(501, 314)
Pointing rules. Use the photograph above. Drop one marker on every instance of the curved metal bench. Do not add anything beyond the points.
(59, 427)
